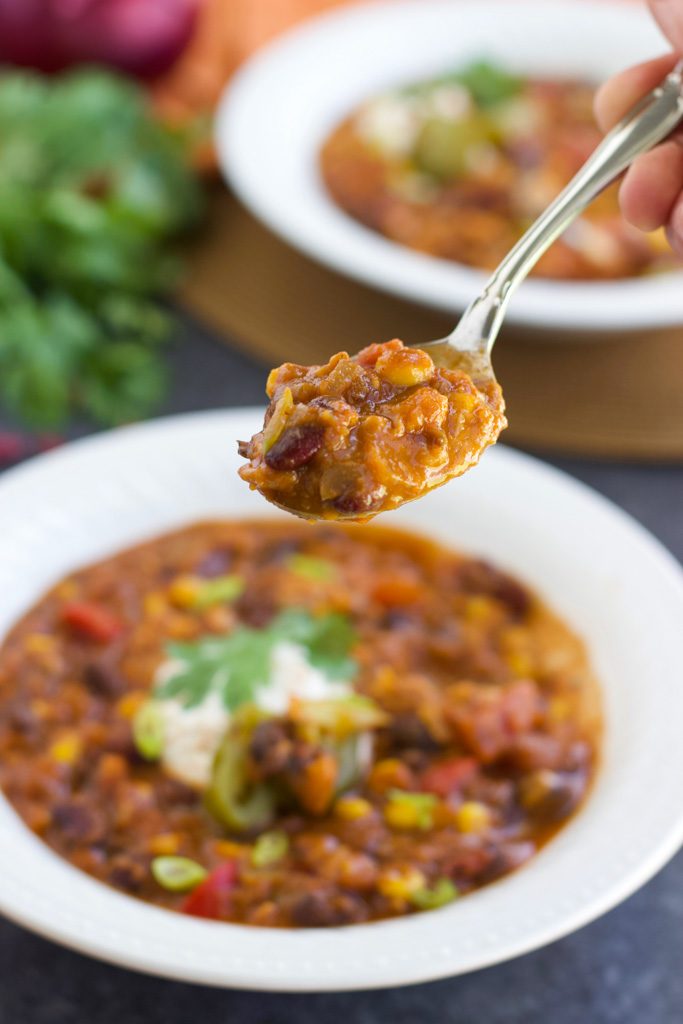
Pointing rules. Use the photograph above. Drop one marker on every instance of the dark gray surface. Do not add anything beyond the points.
(623, 969)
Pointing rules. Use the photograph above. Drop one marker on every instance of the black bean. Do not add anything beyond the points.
(506, 858)
(325, 909)
(173, 792)
(127, 874)
(407, 730)
(78, 823)
(295, 447)
(103, 679)
(270, 748)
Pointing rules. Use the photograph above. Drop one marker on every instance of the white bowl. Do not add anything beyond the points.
(284, 102)
(598, 568)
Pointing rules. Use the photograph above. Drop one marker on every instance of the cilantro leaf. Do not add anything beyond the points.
(236, 666)
(92, 192)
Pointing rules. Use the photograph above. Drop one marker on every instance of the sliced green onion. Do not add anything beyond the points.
(421, 804)
(439, 895)
(319, 570)
(220, 590)
(269, 848)
(178, 874)
(148, 731)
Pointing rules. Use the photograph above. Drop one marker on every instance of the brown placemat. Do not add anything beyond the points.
(612, 398)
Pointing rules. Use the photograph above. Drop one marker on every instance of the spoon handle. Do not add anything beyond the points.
(648, 123)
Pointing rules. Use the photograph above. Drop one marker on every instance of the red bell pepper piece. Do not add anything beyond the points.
(212, 897)
(444, 777)
(91, 621)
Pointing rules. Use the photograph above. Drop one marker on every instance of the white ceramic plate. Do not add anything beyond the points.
(285, 101)
(597, 567)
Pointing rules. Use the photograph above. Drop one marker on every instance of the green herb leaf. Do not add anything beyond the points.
(237, 665)
(488, 83)
(92, 191)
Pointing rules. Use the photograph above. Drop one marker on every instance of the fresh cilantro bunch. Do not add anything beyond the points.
(92, 189)
(237, 665)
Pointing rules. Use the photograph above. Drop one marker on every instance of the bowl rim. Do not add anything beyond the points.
(306, 218)
(162, 943)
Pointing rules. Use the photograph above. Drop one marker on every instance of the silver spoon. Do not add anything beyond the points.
(468, 346)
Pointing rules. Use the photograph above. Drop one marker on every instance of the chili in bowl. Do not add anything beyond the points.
(369, 671)
(286, 726)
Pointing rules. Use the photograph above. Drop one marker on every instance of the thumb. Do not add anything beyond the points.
(669, 17)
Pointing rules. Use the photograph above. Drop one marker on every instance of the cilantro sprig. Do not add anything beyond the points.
(92, 189)
(237, 665)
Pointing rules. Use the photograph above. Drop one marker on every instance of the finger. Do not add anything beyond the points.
(620, 93)
(674, 230)
(652, 186)
(669, 16)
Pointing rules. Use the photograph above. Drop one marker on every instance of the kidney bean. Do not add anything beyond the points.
(354, 502)
(295, 448)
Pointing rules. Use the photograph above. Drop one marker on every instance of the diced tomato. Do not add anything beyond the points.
(444, 777)
(212, 897)
(91, 621)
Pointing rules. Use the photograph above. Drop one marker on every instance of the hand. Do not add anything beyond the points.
(651, 193)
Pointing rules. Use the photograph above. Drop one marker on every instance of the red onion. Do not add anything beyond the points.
(142, 37)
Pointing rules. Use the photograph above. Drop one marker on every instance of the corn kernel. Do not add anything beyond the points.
(40, 643)
(67, 749)
(350, 808)
(400, 815)
(479, 609)
(519, 663)
(410, 810)
(129, 705)
(154, 604)
(472, 816)
(165, 844)
(405, 368)
(559, 709)
(183, 591)
(400, 882)
(464, 400)
(66, 590)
